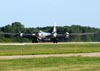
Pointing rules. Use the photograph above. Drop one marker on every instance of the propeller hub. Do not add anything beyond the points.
(21, 35)
(67, 34)
(33, 34)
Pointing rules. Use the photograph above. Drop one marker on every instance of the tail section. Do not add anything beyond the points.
(55, 34)
(54, 29)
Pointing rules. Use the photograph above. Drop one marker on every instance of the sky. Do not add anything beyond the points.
(41, 13)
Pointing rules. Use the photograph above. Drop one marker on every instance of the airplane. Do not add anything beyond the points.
(36, 37)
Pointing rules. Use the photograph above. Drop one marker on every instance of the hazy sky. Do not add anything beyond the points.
(39, 13)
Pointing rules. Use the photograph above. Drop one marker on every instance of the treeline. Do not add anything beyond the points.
(18, 27)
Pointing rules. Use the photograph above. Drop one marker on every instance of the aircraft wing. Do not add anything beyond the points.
(58, 36)
(26, 35)
(6, 33)
(80, 34)
(69, 34)
(61, 35)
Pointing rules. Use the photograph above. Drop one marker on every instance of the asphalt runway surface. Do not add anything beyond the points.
(47, 43)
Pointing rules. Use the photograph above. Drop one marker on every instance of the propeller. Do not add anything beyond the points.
(21, 34)
(67, 35)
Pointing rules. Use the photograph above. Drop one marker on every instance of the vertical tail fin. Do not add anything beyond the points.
(54, 29)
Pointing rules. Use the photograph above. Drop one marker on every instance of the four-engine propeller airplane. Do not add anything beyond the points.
(46, 36)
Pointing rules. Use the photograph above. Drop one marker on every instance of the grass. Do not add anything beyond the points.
(52, 64)
(36, 49)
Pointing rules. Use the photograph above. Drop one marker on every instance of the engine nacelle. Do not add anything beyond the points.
(21, 34)
(67, 35)
(33, 34)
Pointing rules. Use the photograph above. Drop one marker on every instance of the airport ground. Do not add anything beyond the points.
(49, 43)
(80, 56)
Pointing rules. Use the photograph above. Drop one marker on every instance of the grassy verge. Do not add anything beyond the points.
(49, 49)
(52, 64)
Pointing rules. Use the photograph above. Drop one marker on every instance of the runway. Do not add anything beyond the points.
(48, 43)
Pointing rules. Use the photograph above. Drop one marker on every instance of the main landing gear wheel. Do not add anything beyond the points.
(35, 41)
(55, 40)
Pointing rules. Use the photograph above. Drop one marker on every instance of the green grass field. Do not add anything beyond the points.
(52, 64)
(36, 49)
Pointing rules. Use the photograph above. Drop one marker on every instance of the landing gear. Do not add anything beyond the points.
(34, 40)
(55, 40)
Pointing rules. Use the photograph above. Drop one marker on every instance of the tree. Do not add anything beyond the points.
(17, 27)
